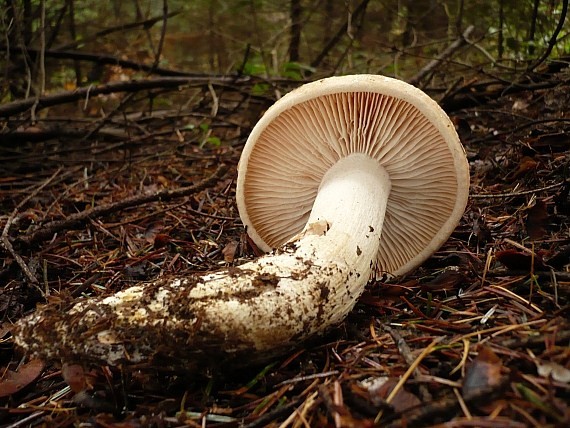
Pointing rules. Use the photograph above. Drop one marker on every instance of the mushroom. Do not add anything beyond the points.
(348, 177)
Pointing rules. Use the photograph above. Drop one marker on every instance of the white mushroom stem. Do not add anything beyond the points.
(268, 304)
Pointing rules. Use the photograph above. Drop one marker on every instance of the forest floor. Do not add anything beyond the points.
(477, 336)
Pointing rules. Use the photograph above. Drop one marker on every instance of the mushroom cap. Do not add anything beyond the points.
(308, 130)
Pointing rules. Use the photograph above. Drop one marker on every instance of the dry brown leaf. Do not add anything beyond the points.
(536, 220)
(379, 389)
(526, 164)
(555, 142)
(448, 280)
(548, 369)
(482, 374)
(15, 381)
(520, 261)
(151, 231)
(161, 240)
(229, 251)
(74, 376)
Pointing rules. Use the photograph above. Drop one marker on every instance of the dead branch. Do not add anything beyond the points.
(553, 38)
(63, 97)
(43, 131)
(474, 95)
(100, 60)
(158, 52)
(336, 38)
(447, 53)
(147, 23)
(47, 230)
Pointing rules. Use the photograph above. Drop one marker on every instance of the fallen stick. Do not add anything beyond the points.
(47, 230)
(63, 97)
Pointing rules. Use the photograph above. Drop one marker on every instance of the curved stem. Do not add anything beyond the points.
(265, 306)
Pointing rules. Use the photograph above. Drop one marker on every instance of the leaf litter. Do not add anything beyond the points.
(478, 336)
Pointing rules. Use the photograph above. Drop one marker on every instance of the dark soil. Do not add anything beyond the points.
(479, 335)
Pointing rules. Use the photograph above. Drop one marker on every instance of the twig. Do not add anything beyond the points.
(553, 39)
(462, 98)
(162, 36)
(108, 117)
(545, 275)
(47, 230)
(4, 239)
(329, 401)
(147, 23)
(515, 194)
(406, 353)
(42, 60)
(336, 38)
(456, 45)
(273, 415)
(308, 377)
(27, 421)
(543, 339)
(428, 350)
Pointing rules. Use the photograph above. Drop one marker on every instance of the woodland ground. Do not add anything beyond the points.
(478, 336)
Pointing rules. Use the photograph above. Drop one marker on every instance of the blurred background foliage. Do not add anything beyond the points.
(293, 39)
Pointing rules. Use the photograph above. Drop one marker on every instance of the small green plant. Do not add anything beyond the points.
(296, 70)
(207, 138)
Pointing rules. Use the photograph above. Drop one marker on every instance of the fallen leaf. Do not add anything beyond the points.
(519, 260)
(15, 381)
(161, 240)
(229, 251)
(482, 374)
(151, 231)
(558, 372)
(256, 251)
(448, 280)
(74, 376)
(318, 228)
(163, 180)
(380, 387)
(520, 105)
(536, 220)
(560, 258)
(550, 143)
(526, 164)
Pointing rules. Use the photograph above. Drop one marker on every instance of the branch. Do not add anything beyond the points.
(47, 230)
(456, 45)
(158, 53)
(147, 23)
(335, 39)
(553, 39)
(63, 97)
(467, 97)
(99, 59)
